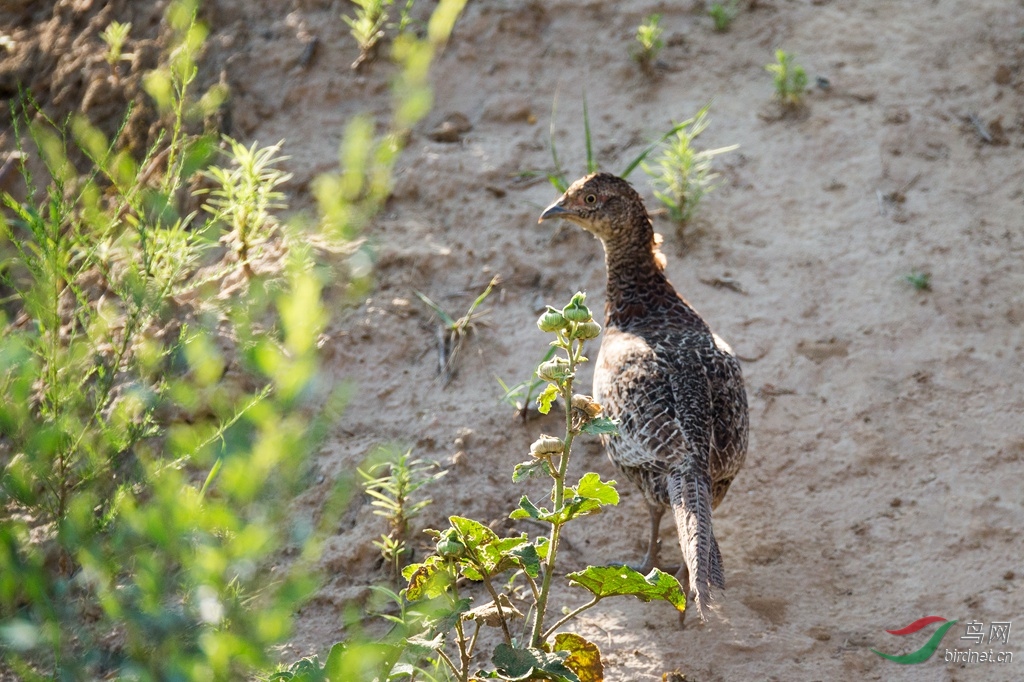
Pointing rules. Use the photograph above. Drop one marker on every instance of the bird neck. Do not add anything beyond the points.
(637, 286)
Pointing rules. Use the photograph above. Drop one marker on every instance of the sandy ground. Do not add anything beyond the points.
(883, 481)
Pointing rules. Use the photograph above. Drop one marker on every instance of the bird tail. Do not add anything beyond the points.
(690, 495)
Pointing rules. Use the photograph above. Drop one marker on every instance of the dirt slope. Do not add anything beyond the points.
(884, 476)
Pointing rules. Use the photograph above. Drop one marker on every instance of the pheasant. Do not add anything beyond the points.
(674, 386)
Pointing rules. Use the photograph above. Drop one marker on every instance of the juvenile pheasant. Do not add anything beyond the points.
(674, 386)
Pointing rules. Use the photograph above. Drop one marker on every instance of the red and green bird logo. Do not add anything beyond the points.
(925, 652)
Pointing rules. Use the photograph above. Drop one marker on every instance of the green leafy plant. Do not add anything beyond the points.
(155, 432)
(246, 196)
(369, 24)
(367, 27)
(522, 394)
(648, 42)
(453, 332)
(682, 175)
(401, 654)
(469, 551)
(722, 13)
(790, 80)
(391, 483)
(142, 495)
(115, 35)
(921, 281)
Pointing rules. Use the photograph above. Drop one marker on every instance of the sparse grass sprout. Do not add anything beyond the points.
(452, 333)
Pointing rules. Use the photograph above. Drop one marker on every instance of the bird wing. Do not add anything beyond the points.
(658, 389)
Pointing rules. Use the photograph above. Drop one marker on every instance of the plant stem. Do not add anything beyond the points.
(573, 351)
(569, 616)
(449, 662)
(497, 605)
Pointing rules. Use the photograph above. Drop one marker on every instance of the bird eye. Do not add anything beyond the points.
(590, 199)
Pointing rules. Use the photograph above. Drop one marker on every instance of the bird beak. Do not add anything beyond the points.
(555, 210)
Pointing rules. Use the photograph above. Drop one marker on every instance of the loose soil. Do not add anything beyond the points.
(883, 481)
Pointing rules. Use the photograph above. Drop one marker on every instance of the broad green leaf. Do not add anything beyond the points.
(600, 426)
(472, 533)
(334, 663)
(498, 556)
(423, 646)
(546, 398)
(528, 559)
(607, 581)
(576, 506)
(427, 580)
(523, 664)
(436, 615)
(529, 510)
(535, 467)
(584, 656)
(592, 486)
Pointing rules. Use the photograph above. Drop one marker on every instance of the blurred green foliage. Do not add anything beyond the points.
(158, 410)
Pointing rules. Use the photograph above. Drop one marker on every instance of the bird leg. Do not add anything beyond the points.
(654, 545)
(683, 576)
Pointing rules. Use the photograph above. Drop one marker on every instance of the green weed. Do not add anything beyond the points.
(245, 197)
(681, 175)
(521, 395)
(558, 177)
(367, 27)
(391, 484)
(452, 333)
(790, 80)
(921, 281)
(155, 431)
(369, 24)
(723, 13)
(648, 43)
(115, 35)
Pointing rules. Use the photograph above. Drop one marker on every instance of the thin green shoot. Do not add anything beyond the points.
(452, 333)
(391, 484)
(246, 194)
(367, 27)
(523, 394)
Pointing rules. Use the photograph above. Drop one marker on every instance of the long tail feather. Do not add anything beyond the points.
(690, 495)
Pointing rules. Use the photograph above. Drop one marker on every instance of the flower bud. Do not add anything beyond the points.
(576, 311)
(586, 330)
(546, 446)
(449, 545)
(554, 370)
(552, 321)
(586, 405)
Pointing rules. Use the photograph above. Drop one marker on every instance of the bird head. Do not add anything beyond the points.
(602, 204)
